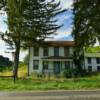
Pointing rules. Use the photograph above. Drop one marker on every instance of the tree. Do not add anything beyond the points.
(29, 22)
(86, 23)
(4, 63)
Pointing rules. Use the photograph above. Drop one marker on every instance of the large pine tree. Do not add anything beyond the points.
(29, 21)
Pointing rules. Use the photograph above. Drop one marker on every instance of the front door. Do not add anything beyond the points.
(57, 67)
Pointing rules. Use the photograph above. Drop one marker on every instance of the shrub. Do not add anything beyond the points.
(67, 73)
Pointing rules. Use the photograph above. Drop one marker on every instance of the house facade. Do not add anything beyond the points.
(57, 56)
(54, 58)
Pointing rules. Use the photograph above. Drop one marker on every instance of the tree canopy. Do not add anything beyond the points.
(29, 21)
(86, 22)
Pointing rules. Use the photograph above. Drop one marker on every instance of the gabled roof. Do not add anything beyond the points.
(53, 43)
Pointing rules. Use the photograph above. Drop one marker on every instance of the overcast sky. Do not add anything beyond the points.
(63, 33)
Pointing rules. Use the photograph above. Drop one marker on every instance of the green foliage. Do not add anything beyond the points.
(93, 49)
(86, 25)
(5, 63)
(86, 22)
(67, 73)
(74, 73)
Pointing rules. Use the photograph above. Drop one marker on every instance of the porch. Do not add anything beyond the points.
(55, 65)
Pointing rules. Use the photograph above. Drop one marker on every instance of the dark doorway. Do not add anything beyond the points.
(57, 67)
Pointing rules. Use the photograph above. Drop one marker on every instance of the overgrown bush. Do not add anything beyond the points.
(70, 73)
(67, 73)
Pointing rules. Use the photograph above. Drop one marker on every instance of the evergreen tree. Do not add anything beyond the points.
(29, 22)
(86, 22)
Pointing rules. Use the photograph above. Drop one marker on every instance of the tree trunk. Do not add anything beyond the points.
(16, 61)
(28, 60)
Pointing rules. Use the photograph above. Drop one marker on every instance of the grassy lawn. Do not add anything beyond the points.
(25, 83)
(40, 84)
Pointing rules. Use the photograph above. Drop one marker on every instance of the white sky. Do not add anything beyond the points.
(64, 3)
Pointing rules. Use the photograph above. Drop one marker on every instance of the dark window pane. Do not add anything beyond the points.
(66, 51)
(56, 51)
(98, 68)
(36, 51)
(35, 64)
(98, 60)
(90, 68)
(45, 65)
(89, 60)
(45, 51)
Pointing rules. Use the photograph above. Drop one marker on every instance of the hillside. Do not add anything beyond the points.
(22, 72)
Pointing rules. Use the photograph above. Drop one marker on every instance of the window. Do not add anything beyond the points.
(89, 60)
(98, 68)
(36, 51)
(98, 60)
(67, 64)
(66, 51)
(35, 64)
(45, 51)
(90, 68)
(56, 51)
(45, 65)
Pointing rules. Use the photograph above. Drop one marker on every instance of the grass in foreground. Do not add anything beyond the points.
(68, 84)
(26, 84)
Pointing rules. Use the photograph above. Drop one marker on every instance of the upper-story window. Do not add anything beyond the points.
(36, 51)
(66, 51)
(98, 60)
(89, 60)
(45, 51)
(56, 51)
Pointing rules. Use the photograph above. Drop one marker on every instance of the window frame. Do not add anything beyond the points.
(45, 66)
(66, 51)
(98, 60)
(36, 51)
(35, 67)
(89, 60)
(98, 68)
(46, 53)
(56, 51)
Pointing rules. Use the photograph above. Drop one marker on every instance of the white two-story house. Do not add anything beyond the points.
(52, 58)
(57, 56)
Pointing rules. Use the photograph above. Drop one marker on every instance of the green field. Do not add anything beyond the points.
(26, 84)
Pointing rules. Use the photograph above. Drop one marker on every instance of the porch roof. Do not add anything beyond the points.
(57, 57)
